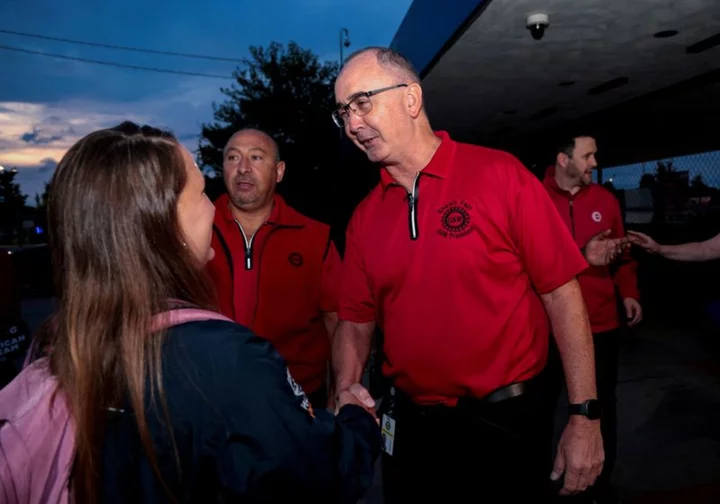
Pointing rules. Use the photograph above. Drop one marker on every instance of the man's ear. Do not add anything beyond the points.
(414, 99)
(562, 159)
(280, 170)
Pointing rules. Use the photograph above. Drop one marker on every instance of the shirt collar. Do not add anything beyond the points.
(281, 214)
(439, 165)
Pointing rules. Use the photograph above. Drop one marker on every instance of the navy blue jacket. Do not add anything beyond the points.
(244, 430)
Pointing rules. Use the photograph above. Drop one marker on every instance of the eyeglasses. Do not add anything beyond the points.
(359, 105)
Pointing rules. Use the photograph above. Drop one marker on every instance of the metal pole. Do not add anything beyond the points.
(343, 42)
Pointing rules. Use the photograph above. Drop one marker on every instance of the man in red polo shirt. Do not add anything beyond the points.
(588, 210)
(459, 256)
(274, 269)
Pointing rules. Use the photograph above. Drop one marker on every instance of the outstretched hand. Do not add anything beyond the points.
(644, 241)
(601, 250)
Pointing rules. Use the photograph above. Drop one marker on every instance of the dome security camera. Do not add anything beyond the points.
(537, 24)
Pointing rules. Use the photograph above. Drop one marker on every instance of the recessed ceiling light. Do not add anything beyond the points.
(566, 83)
(666, 34)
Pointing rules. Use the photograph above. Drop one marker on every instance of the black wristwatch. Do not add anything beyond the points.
(590, 409)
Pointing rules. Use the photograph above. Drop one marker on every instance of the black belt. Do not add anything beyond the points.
(467, 402)
(513, 390)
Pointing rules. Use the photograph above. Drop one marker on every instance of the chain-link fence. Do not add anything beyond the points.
(677, 190)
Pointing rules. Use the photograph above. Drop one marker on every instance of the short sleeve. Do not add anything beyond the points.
(356, 303)
(546, 248)
(330, 280)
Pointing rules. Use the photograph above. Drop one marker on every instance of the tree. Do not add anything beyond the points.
(41, 205)
(647, 181)
(12, 205)
(288, 93)
(697, 182)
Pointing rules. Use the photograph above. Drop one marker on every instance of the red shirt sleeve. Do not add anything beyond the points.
(356, 302)
(330, 280)
(625, 276)
(545, 245)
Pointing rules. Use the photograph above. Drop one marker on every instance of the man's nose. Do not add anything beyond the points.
(243, 167)
(354, 123)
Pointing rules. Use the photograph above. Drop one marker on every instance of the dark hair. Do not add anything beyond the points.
(391, 59)
(566, 145)
(118, 259)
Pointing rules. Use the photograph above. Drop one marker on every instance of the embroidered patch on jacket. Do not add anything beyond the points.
(299, 392)
(296, 259)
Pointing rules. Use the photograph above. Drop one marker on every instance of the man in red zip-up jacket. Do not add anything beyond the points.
(592, 213)
(274, 269)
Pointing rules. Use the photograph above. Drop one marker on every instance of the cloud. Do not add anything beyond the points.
(35, 136)
(39, 136)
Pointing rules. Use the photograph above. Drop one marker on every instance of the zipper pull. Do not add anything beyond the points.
(248, 258)
(412, 203)
(413, 217)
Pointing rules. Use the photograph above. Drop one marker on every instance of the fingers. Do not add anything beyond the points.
(558, 466)
(636, 316)
(633, 312)
(579, 478)
(637, 238)
(362, 395)
(572, 482)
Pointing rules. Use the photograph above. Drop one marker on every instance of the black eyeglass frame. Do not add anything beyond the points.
(336, 115)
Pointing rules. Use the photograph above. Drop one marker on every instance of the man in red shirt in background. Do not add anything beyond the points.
(459, 256)
(589, 211)
(274, 269)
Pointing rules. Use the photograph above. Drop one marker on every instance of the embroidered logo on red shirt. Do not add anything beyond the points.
(455, 219)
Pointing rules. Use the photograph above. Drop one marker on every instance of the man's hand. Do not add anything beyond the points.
(633, 310)
(355, 394)
(644, 241)
(580, 455)
(601, 250)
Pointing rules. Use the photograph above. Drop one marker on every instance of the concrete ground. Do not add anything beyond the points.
(669, 414)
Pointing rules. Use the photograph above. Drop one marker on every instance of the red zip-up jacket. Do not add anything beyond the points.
(278, 283)
(592, 210)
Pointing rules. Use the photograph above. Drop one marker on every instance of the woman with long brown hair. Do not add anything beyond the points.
(203, 411)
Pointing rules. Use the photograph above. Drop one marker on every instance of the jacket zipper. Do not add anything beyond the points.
(572, 218)
(248, 246)
(412, 204)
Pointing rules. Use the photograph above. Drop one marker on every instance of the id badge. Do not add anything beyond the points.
(388, 434)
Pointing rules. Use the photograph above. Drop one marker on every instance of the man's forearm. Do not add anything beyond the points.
(350, 352)
(689, 252)
(330, 319)
(571, 328)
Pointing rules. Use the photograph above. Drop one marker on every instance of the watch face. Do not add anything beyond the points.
(594, 412)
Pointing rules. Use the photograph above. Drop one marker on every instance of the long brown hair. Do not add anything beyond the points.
(118, 258)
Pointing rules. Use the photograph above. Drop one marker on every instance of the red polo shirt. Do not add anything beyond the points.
(453, 274)
(280, 285)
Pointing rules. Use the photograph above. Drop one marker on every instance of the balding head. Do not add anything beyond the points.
(390, 60)
(380, 101)
(259, 133)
